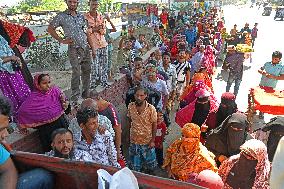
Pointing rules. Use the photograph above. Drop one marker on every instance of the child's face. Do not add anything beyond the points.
(160, 117)
(138, 65)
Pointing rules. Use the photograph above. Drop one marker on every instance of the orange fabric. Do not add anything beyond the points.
(248, 40)
(197, 77)
(141, 124)
(187, 155)
(98, 39)
(268, 100)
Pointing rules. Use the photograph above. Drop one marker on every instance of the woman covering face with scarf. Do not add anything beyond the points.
(187, 155)
(276, 128)
(227, 107)
(248, 169)
(225, 140)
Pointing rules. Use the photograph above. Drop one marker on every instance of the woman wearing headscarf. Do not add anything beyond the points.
(225, 140)
(200, 111)
(276, 128)
(43, 110)
(227, 107)
(277, 173)
(187, 155)
(12, 83)
(191, 91)
(18, 38)
(200, 77)
(248, 169)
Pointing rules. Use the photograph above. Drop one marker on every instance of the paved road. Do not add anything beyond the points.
(269, 40)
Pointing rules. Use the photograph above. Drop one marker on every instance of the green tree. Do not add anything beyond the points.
(38, 5)
(58, 5)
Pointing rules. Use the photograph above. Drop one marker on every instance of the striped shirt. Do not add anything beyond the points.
(181, 69)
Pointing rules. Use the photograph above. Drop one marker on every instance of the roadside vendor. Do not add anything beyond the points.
(272, 71)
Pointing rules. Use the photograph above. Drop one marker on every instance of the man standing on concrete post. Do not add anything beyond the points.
(74, 26)
(96, 38)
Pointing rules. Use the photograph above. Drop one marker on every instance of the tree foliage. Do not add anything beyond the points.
(59, 5)
(38, 5)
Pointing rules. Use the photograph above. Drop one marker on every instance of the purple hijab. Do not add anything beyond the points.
(40, 107)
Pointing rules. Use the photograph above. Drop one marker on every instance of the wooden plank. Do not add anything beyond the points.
(79, 174)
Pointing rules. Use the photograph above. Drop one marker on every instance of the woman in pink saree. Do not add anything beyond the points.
(43, 110)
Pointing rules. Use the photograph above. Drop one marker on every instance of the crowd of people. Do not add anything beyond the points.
(217, 148)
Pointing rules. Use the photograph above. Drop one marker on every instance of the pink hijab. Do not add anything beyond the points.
(184, 115)
(40, 107)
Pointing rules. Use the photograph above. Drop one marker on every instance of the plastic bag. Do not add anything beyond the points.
(122, 179)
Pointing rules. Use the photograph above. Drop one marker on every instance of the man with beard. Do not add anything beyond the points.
(63, 146)
(143, 128)
(227, 107)
(201, 112)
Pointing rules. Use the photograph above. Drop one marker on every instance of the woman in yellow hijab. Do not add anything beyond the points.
(187, 155)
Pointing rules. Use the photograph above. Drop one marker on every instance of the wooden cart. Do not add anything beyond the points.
(266, 100)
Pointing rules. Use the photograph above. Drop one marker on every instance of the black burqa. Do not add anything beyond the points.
(226, 108)
(276, 128)
(201, 112)
(226, 141)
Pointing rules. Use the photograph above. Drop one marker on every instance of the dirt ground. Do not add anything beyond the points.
(63, 78)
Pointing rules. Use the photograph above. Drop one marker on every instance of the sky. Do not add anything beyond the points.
(9, 2)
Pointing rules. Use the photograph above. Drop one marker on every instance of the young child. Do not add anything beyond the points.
(160, 136)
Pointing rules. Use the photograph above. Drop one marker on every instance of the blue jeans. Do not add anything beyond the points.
(35, 179)
(230, 81)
